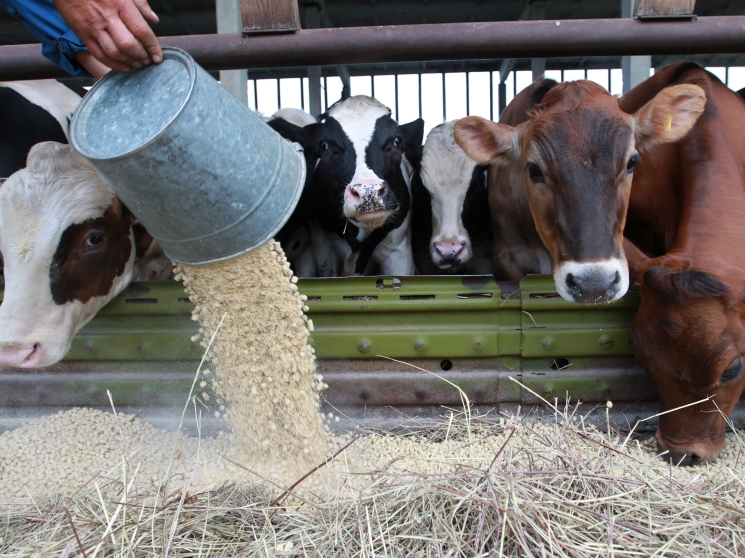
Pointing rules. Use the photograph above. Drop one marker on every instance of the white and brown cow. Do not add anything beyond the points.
(451, 232)
(357, 200)
(69, 246)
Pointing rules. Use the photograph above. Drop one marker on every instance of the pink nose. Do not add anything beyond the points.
(449, 248)
(358, 192)
(21, 356)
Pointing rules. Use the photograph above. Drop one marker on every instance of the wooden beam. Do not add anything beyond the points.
(658, 8)
(270, 16)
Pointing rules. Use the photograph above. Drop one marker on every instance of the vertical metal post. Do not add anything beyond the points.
(420, 94)
(635, 68)
(395, 92)
(444, 101)
(372, 86)
(491, 95)
(468, 93)
(302, 94)
(326, 93)
(279, 95)
(313, 21)
(228, 13)
(538, 67)
(502, 97)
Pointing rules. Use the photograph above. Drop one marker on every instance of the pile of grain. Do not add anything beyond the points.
(264, 367)
(518, 487)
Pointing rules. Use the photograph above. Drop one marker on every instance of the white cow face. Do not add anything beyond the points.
(68, 249)
(448, 174)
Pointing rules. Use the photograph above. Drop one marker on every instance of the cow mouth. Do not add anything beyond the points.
(32, 354)
(370, 220)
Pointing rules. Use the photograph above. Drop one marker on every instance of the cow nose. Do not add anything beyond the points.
(358, 191)
(449, 248)
(594, 287)
(20, 355)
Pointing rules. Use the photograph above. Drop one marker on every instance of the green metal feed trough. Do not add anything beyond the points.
(471, 331)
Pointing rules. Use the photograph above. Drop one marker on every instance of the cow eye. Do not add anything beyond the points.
(733, 370)
(323, 146)
(397, 142)
(94, 240)
(535, 173)
(632, 162)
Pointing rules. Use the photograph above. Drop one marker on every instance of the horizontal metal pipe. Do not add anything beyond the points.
(450, 41)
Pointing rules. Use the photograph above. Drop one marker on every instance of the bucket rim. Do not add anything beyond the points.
(168, 52)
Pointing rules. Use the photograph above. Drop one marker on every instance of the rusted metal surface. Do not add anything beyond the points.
(452, 41)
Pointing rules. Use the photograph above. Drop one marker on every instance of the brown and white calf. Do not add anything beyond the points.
(69, 246)
(451, 233)
(575, 157)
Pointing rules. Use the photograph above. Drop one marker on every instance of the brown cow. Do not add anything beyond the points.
(576, 154)
(686, 216)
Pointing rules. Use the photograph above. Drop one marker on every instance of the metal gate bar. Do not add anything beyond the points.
(452, 41)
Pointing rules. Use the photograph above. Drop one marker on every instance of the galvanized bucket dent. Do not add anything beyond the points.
(204, 174)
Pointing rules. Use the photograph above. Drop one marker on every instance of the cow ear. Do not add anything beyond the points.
(305, 136)
(485, 141)
(638, 261)
(413, 134)
(669, 116)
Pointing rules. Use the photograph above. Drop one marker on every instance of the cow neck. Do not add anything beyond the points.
(711, 160)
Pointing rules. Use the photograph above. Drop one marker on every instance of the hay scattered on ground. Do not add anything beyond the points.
(264, 367)
(518, 487)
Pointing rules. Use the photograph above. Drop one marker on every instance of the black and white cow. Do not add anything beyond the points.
(451, 229)
(69, 246)
(357, 199)
(32, 112)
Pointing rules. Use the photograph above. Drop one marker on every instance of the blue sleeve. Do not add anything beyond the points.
(59, 43)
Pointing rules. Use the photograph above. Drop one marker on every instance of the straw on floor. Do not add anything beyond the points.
(521, 486)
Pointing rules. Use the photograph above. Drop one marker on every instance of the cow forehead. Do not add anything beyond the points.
(445, 166)
(358, 116)
(587, 135)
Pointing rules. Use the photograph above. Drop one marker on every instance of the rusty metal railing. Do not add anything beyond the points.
(452, 41)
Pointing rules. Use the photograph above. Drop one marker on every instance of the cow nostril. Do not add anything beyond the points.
(354, 192)
(617, 280)
(573, 285)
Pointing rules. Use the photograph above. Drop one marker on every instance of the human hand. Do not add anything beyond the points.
(116, 32)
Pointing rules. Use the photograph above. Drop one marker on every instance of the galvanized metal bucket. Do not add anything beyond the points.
(204, 174)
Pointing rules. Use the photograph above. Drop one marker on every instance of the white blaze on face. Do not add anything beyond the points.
(446, 174)
(357, 116)
(37, 204)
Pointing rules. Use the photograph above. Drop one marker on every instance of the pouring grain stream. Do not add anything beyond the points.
(264, 368)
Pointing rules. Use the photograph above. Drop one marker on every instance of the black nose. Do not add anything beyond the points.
(679, 459)
(593, 288)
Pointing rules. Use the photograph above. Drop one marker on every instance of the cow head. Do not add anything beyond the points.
(68, 248)
(457, 188)
(578, 152)
(689, 334)
(360, 149)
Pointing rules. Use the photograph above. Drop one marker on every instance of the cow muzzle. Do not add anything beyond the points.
(21, 355)
(688, 453)
(592, 282)
(366, 204)
(450, 251)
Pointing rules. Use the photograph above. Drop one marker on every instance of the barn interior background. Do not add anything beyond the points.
(475, 332)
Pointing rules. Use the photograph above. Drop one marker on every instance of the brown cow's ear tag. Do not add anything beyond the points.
(668, 122)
